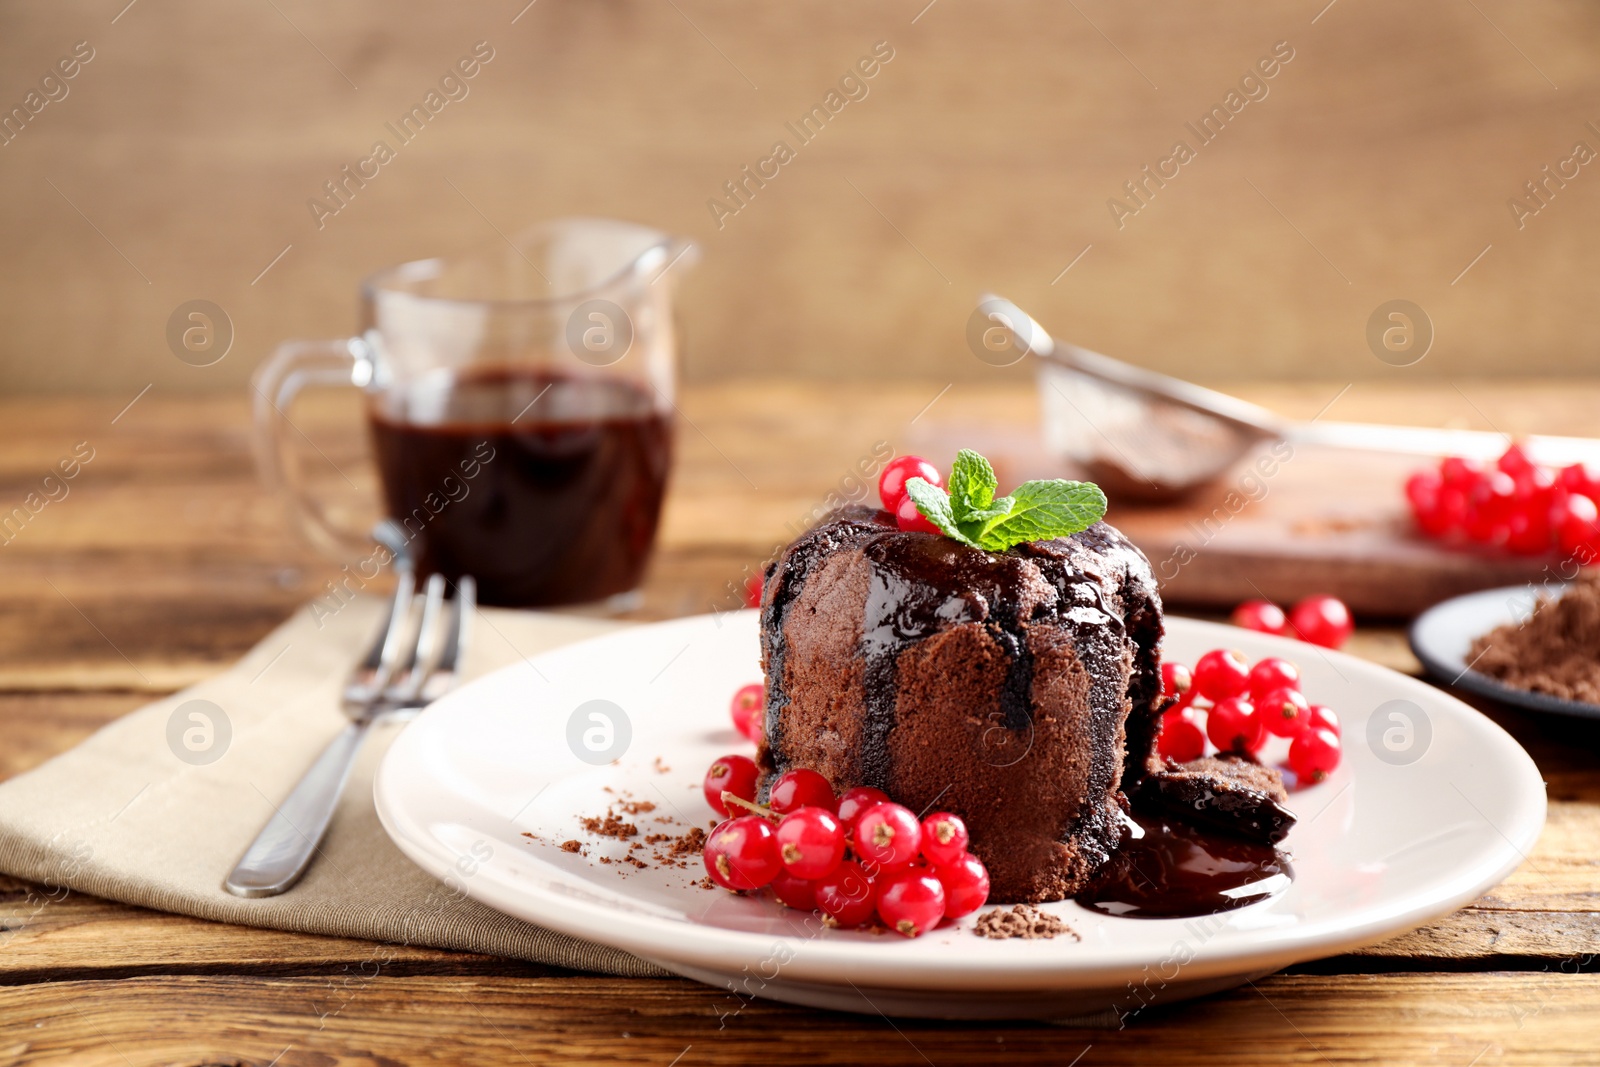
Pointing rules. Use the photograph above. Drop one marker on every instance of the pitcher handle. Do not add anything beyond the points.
(293, 366)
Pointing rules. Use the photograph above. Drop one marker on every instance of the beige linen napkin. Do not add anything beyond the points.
(135, 813)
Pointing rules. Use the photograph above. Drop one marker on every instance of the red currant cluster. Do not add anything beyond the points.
(1319, 620)
(852, 857)
(1522, 506)
(1244, 705)
(892, 491)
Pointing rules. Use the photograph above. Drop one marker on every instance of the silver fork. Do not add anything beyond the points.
(407, 668)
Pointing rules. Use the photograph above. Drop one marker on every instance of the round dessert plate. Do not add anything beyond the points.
(1442, 639)
(1432, 804)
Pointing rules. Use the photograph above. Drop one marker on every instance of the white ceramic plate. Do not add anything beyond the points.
(1442, 639)
(1440, 805)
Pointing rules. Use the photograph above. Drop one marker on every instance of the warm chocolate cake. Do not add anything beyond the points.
(1018, 689)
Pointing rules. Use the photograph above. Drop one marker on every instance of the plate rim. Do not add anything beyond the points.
(717, 948)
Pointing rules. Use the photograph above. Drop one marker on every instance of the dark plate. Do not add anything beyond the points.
(1442, 635)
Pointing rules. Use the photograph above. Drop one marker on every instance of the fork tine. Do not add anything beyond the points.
(466, 603)
(378, 666)
(445, 669)
(424, 650)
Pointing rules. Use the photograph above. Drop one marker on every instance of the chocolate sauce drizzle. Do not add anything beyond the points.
(786, 577)
(1179, 871)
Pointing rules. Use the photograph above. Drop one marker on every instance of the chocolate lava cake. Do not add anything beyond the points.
(1019, 689)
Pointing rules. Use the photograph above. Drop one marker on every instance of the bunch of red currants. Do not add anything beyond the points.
(852, 857)
(1514, 503)
(896, 501)
(1318, 620)
(1242, 706)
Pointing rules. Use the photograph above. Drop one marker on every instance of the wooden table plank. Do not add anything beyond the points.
(1501, 1019)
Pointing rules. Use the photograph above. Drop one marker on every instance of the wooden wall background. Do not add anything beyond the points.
(180, 162)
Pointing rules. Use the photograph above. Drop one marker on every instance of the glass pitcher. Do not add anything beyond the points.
(520, 409)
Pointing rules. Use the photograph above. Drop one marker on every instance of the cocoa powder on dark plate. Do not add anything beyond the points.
(1556, 651)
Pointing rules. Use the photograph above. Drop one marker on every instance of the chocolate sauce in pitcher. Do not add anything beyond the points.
(545, 487)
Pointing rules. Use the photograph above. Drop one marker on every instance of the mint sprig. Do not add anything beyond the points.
(1035, 511)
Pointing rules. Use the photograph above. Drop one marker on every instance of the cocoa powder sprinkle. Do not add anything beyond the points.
(1027, 923)
(610, 826)
(1555, 651)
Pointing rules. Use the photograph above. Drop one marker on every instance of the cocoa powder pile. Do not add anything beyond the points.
(1556, 651)
(1021, 921)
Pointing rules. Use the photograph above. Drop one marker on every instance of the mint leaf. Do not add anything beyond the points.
(1036, 511)
(972, 485)
(934, 503)
(1040, 511)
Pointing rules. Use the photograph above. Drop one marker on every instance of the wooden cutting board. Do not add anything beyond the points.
(1323, 521)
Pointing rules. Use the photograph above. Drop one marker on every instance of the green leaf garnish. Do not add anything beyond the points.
(972, 481)
(1045, 509)
(934, 503)
(1035, 511)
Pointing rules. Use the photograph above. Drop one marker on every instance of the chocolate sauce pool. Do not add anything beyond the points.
(1176, 871)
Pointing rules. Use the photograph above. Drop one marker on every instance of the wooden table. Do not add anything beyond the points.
(165, 562)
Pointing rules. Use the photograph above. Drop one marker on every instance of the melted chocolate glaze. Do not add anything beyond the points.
(781, 584)
(1178, 871)
(922, 584)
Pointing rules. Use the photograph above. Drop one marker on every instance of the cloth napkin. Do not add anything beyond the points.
(157, 807)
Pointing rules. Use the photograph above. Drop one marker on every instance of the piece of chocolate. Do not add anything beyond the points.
(1235, 796)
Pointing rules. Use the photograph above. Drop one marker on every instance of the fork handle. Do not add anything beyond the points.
(282, 851)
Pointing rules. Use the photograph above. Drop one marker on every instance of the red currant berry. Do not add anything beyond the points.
(752, 590)
(1528, 532)
(1314, 755)
(1422, 491)
(848, 895)
(1322, 717)
(944, 838)
(1580, 478)
(1578, 527)
(1271, 673)
(966, 885)
(911, 902)
(1182, 736)
(747, 711)
(1262, 616)
(1489, 507)
(1322, 620)
(887, 835)
(1176, 680)
(1221, 673)
(1515, 460)
(909, 519)
(797, 893)
(892, 482)
(742, 853)
(1234, 726)
(801, 788)
(1459, 472)
(1284, 712)
(734, 774)
(1450, 517)
(810, 842)
(857, 800)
